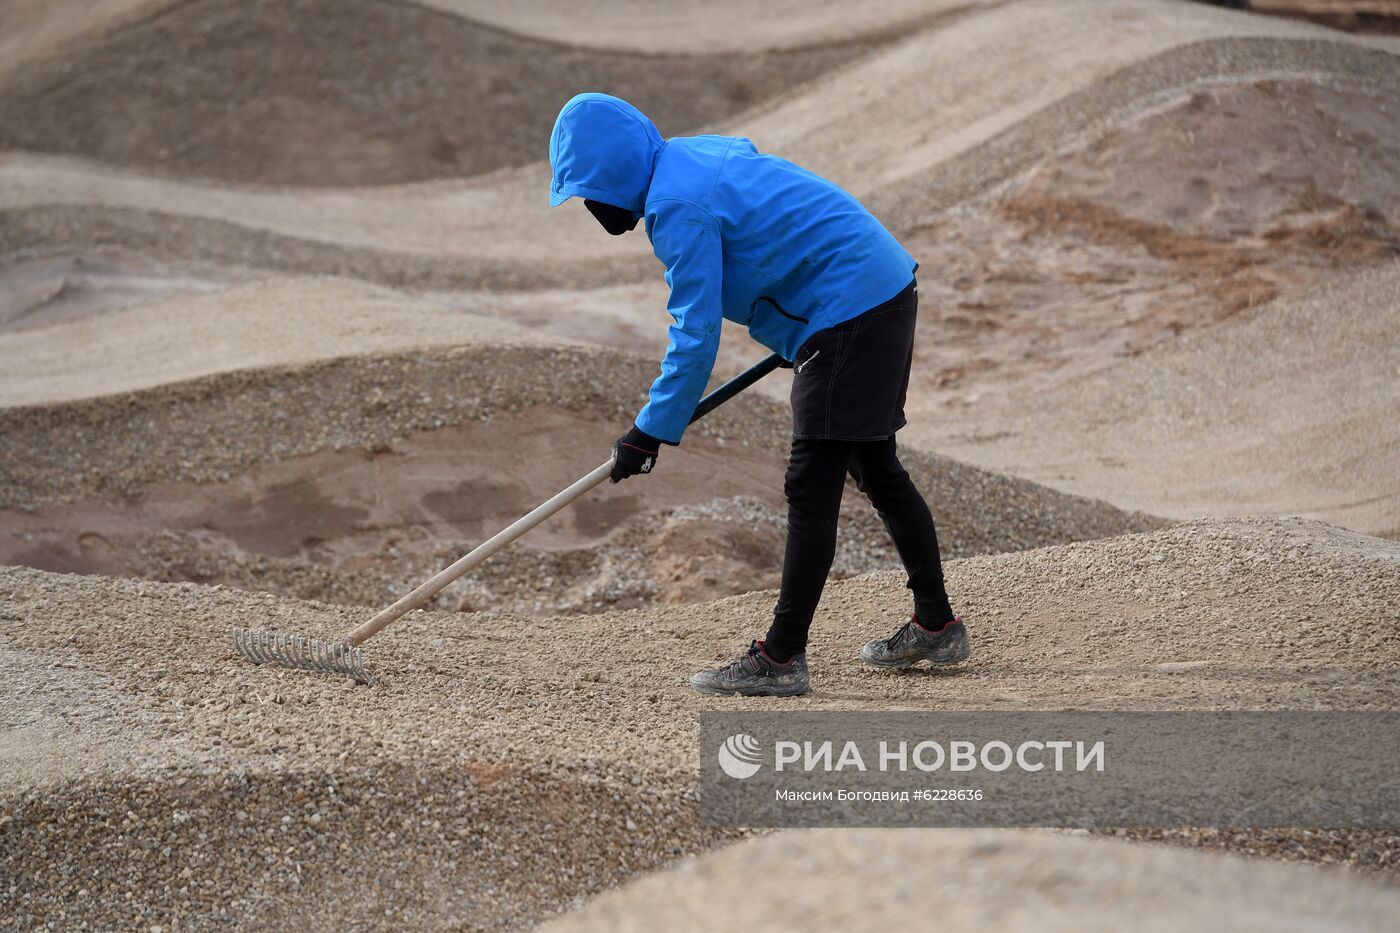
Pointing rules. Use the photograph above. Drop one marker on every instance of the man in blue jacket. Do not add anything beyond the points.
(816, 278)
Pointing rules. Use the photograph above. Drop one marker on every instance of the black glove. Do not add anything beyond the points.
(634, 452)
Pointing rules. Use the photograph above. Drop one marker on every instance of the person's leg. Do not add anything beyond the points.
(878, 473)
(777, 666)
(816, 477)
(933, 634)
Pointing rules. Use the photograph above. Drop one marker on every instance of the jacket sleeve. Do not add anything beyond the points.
(686, 239)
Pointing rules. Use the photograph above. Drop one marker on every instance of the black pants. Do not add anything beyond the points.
(816, 477)
(848, 394)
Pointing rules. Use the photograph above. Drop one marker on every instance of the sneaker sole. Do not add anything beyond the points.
(759, 692)
(934, 658)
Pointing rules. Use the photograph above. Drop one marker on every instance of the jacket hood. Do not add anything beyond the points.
(604, 149)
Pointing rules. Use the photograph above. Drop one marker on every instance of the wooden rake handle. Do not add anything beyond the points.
(503, 538)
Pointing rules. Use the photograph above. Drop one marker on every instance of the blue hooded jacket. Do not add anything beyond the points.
(743, 235)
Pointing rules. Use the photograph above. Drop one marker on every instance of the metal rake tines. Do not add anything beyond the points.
(307, 654)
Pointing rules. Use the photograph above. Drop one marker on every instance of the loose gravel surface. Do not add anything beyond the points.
(1291, 409)
(506, 765)
(502, 767)
(1222, 199)
(291, 436)
(272, 322)
(982, 880)
(999, 90)
(264, 462)
(353, 92)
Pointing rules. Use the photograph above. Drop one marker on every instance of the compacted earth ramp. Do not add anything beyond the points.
(502, 767)
(351, 92)
(1292, 408)
(1080, 180)
(286, 325)
(306, 437)
(983, 880)
(915, 123)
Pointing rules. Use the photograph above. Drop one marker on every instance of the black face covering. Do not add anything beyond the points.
(615, 220)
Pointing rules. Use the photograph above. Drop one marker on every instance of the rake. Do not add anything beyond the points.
(345, 657)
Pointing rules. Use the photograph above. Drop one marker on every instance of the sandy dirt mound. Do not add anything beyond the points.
(999, 90)
(500, 769)
(883, 879)
(1004, 87)
(362, 525)
(53, 287)
(1291, 409)
(1373, 16)
(316, 449)
(34, 29)
(281, 322)
(330, 92)
(1215, 203)
(1252, 159)
(709, 28)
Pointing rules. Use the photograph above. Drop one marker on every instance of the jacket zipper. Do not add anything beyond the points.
(780, 309)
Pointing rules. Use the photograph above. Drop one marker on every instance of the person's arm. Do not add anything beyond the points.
(687, 240)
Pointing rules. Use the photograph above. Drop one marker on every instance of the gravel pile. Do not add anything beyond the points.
(982, 168)
(1164, 49)
(353, 92)
(192, 239)
(981, 880)
(502, 768)
(688, 554)
(210, 429)
(1290, 409)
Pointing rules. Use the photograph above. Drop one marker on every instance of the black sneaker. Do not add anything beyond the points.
(914, 643)
(755, 674)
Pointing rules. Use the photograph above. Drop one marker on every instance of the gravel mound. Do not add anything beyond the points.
(1291, 409)
(41, 290)
(281, 322)
(211, 428)
(640, 557)
(999, 90)
(502, 767)
(348, 478)
(883, 879)
(1214, 203)
(353, 92)
(1012, 84)
(665, 29)
(981, 169)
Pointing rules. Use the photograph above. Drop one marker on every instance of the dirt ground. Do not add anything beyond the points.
(894, 879)
(1373, 16)
(417, 458)
(1221, 422)
(60, 287)
(1216, 203)
(367, 92)
(286, 325)
(497, 740)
